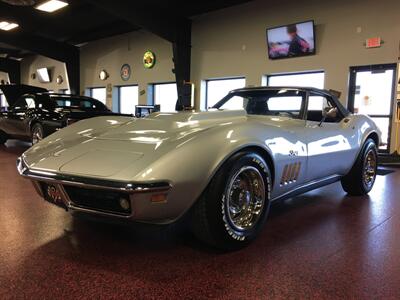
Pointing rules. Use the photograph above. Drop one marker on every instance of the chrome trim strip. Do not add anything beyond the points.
(65, 197)
(74, 208)
(92, 183)
(308, 187)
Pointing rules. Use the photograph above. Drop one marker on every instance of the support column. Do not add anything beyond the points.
(13, 68)
(73, 71)
(182, 60)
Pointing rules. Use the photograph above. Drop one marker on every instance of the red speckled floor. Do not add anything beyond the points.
(321, 245)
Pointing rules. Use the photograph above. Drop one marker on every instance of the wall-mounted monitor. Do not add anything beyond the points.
(291, 40)
(43, 75)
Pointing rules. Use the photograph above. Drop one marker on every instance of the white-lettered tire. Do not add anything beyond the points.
(361, 178)
(234, 207)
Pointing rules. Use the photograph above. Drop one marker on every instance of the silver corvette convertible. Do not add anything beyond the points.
(221, 168)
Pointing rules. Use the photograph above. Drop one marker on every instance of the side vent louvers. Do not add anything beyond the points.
(290, 173)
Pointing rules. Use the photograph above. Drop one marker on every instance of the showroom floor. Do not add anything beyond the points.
(322, 244)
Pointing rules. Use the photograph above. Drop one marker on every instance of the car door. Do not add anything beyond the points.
(329, 140)
(285, 111)
(18, 116)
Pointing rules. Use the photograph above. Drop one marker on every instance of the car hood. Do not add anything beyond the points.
(120, 147)
(167, 125)
(80, 114)
(13, 92)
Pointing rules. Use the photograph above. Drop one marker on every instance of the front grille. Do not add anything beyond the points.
(98, 199)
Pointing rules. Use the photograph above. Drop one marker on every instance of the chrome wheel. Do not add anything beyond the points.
(37, 135)
(370, 166)
(245, 198)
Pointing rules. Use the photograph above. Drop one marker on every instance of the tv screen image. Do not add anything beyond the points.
(291, 40)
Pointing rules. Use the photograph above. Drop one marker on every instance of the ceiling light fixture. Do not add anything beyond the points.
(51, 5)
(7, 26)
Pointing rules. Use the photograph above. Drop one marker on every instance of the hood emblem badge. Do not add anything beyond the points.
(54, 194)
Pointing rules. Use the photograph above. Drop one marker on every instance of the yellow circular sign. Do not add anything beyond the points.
(149, 59)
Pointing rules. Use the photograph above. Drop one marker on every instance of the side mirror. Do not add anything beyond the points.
(328, 113)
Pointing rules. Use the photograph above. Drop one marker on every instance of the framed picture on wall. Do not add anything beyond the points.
(125, 72)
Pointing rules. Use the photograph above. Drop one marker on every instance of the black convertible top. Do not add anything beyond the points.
(327, 93)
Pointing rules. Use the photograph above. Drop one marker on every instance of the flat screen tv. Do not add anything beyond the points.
(291, 40)
(43, 75)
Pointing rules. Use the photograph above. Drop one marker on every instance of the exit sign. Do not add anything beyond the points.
(374, 42)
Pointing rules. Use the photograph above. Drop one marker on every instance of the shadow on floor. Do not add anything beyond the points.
(15, 147)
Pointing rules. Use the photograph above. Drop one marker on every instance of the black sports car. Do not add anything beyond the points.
(34, 113)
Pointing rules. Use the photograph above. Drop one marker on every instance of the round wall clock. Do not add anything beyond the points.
(149, 59)
(125, 72)
(103, 75)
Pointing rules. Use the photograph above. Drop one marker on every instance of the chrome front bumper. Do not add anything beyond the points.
(139, 194)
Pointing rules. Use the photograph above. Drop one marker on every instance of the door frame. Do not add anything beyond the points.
(352, 93)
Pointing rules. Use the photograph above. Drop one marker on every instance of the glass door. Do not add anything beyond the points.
(371, 92)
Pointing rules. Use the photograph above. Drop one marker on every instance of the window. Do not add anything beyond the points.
(165, 95)
(235, 103)
(99, 94)
(310, 79)
(316, 102)
(284, 103)
(216, 89)
(25, 103)
(77, 103)
(316, 105)
(30, 102)
(128, 99)
(66, 92)
(3, 101)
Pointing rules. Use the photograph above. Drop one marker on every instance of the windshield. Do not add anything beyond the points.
(281, 102)
(78, 103)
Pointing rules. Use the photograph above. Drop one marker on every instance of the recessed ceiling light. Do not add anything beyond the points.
(8, 26)
(51, 5)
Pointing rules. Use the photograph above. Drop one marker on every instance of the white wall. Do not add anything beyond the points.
(232, 42)
(29, 66)
(110, 54)
(4, 76)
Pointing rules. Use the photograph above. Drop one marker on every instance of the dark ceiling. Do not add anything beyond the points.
(82, 22)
